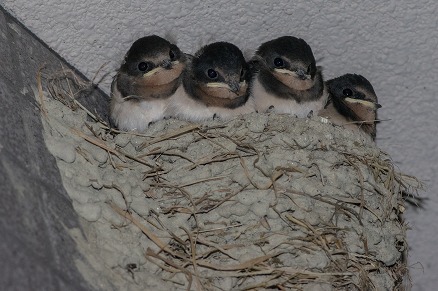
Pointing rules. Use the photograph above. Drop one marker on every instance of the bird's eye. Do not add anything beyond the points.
(212, 74)
(143, 66)
(347, 92)
(309, 69)
(278, 62)
(172, 55)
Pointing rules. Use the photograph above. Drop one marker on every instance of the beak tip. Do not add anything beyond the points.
(234, 88)
(301, 74)
(167, 64)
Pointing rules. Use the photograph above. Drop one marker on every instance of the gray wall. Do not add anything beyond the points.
(36, 251)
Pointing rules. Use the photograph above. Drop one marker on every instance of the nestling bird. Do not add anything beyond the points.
(215, 84)
(149, 75)
(286, 78)
(352, 103)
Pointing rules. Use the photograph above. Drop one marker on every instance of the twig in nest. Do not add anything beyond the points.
(356, 202)
(362, 197)
(193, 254)
(135, 133)
(176, 208)
(57, 90)
(306, 225)
(266, 282)
(383, 171)
(189, 275)
(187, 194)
(220, 228)
(226, 198)
(206, 128)
(155, 173)
(118, 153)
(168, 135)
(97, 73)
(320, 173)
(247, 174)
(364, 280)
(215, 248)
(204, 180)
(336, 205)
(284, 270)
(250, 264)
(215, 158)
(278, 172)
(201, 209)
(84, 154)
(40, 92)
(155, 239)
(166, 153)
(414, 200)
(114, 186)
(238, 267)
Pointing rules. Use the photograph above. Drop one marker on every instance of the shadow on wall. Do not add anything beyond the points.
(35, 250)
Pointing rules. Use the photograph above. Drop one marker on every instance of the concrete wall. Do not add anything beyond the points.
(392, 43)
(37, 252)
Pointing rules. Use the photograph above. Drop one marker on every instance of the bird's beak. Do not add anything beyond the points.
(283, 71)
(302, 74)
(153, 71)
(234, 86)
(167, 64)
(218, 85)
(363, 102)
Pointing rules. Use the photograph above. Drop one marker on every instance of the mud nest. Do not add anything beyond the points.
(263, 201)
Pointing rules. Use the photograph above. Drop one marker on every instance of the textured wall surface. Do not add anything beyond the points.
(37, 250)
(392, 43)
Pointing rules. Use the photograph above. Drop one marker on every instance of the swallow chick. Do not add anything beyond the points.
(286, 78)
(215, 84)
(352, 104)
(149, 75)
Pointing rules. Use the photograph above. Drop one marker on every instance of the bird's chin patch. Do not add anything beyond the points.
(365, 111)
(160, 76)
(292, 80)
(218, 96)
(223, 90)
(219, 92)
(160, 83)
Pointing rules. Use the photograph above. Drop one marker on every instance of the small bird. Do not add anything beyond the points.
(286, 78)
(215, 84)
(149, 75)
(352, 104)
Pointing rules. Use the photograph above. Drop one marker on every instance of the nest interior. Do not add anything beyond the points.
(264, 201)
